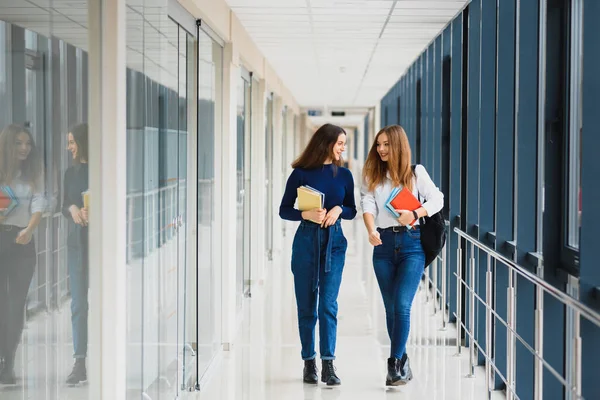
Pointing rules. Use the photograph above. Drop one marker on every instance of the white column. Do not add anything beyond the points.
(361, 144)
(228, 204)
(289, 158)
(107, 235)
(304, 136)
(258, 191)
(375, 117)
(278, 155)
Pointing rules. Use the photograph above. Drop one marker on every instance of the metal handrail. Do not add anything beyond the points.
(585, 311)
(572, 380)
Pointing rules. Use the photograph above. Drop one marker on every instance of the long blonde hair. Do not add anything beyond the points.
(398, 164)
(10, 166)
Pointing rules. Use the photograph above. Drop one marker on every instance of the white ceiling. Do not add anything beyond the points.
(340, 53)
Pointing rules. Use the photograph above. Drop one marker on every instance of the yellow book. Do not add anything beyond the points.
(309, 198)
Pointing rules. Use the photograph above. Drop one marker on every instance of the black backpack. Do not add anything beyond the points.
(433, 234)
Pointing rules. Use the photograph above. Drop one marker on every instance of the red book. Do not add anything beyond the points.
(405, 200)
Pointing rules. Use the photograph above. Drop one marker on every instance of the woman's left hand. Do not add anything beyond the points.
(24, 237)
(406, 217)
(332, 216)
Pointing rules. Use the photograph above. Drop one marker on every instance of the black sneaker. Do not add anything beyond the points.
(311, 372)
(328, 375)
(79, 373)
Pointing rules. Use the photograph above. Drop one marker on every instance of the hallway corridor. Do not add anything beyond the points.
(265, 363)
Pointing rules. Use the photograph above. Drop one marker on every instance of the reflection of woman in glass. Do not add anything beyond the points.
(75, 183)
(21, 173)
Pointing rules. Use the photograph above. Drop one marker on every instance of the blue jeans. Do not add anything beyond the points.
(77, 259)
(399, 264)
(318, 257)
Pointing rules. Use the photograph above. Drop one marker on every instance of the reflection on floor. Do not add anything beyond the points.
(45, 359)
(265, 363)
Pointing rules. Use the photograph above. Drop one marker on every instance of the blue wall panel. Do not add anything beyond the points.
(455, 153)
(430, 111)
(526, 182)
(472, 184)
(505, 123)
(487, 151)
(590, 271)
(437, 113)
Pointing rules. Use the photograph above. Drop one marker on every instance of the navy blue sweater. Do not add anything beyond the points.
(338, 190)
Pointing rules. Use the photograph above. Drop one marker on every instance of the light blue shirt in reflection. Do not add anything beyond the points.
(30, 202)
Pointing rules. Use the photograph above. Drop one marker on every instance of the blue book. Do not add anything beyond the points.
(388, 204)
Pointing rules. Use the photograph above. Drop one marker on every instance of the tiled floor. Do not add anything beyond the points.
(265, 363)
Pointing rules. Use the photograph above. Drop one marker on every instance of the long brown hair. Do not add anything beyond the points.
(320, 148)
(80, 137)
(10, 165)
(398, 164)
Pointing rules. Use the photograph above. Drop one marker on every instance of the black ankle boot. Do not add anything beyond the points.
(393, 377)
(399, 372)
(311, 372)
(404, 370)
(328, 375)
(79, 373)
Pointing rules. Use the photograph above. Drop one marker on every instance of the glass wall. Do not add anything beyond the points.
(173, 114)
(243, 187)
(269, 175)
(210, 90)
(160, 86)
(44, 276)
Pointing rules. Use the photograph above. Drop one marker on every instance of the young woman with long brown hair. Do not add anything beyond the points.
(398, 257)
(21, 171)
(319, 249)
(76, 182)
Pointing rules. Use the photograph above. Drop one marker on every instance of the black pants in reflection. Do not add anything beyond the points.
(17, 265)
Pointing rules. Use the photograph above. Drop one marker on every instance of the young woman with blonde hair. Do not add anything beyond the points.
(21, 171)
(398, 257)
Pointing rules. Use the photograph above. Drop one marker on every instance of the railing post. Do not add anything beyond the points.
(427, 281)
(539, 336)
(510, 354)
(573, 344)
(443, 301)
(472, 355)
(577, 355)
(434, 274)
(488, 327)
(458, 298)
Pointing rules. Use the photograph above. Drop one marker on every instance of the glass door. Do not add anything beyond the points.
(159, 94)
(170, 259)
(269, 176)
(187, 318)
(243, 187)
(209, 119)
